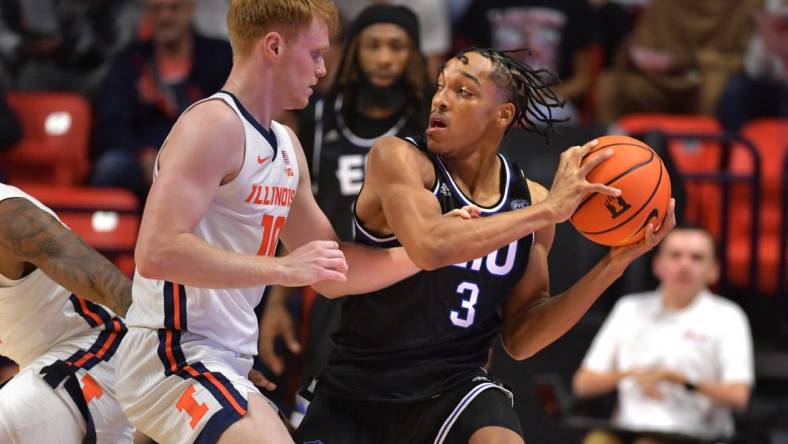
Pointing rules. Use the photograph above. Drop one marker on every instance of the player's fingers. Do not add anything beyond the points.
(670, 220)
(586, 148)
(270, 358)
(459, 212)
(331, 275)
(258, 379)
(332, 253)
(473, 210)
(325, 244)
(602, 189)
(332, 264)
(649, 238)
(288, 334)
(569, 156)
(343, 267)
(593, 160)
(290, 339)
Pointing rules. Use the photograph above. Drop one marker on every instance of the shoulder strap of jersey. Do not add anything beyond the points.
(519, 182)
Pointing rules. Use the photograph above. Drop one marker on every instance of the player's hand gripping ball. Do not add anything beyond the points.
(641, 176)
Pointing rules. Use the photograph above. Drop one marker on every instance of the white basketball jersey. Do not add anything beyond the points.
(37, 314)
(246, 216)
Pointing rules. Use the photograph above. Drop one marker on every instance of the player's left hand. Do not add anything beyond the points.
(260, 380)
(627, 254)
(466, 212)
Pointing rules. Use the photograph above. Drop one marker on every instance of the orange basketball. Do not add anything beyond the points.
(641, 176)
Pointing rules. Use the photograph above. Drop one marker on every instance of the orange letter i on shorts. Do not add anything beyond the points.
(188, 404)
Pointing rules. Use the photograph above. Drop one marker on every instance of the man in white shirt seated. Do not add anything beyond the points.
(680, 357)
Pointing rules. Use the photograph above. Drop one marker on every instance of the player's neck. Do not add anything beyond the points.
(255, 91)
(477, 174)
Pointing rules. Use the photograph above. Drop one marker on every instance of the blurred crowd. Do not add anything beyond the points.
(141, 63)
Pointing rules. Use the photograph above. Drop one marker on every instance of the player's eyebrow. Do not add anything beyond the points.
(472, 77)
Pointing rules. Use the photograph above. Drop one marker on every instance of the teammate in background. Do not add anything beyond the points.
(407, 362)
(59, 307)
(382, 89)
(226, 180)
(680, 357)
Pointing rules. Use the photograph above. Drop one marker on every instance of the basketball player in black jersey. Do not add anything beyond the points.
(381, 89)
(407, 363)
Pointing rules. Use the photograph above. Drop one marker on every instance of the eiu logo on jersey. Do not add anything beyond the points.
(350, 173)
(518, 204)
(492, 261)
(444, 189)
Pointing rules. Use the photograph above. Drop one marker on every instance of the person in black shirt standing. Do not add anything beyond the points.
(407, 363)
(558, 34)
(381, 89)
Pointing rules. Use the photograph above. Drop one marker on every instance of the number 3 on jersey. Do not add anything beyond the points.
(472, 291)
(272, 225)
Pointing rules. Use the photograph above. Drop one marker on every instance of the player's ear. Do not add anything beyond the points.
(505, 114)
(270, 46)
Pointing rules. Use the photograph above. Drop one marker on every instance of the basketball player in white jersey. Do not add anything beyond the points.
(58, 304)
(229, 181)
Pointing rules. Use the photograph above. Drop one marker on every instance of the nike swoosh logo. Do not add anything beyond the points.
(262, 160)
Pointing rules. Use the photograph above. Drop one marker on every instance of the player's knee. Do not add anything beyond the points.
(495, 435)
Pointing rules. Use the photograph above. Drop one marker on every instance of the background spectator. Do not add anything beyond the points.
(680, 357)
(148, 86)
(58, 45)
(762, 89)
(678, 58)
(434, 25)
(557, 32)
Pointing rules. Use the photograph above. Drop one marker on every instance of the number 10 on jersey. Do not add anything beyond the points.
(272, 226)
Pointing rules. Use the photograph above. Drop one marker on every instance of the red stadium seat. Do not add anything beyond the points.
(770, 137)
(54, 146)
(108, 219)
(703, 204)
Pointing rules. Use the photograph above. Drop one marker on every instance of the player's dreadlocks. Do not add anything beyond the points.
(527, 88)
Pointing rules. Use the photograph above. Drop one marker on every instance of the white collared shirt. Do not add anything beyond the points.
(709, 340)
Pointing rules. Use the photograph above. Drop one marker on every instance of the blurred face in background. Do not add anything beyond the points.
(383, 53)
(686, 264)
(170, 20)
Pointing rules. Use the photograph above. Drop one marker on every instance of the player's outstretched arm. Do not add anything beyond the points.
(396, 180)
(368, 269)
(30, 235)
(203, 151)
(532, 319)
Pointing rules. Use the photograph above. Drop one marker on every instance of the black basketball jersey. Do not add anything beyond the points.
(337, 161)
(421, 336)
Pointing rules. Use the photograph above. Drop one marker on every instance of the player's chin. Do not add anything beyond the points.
(437, 143)
(299, 103)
